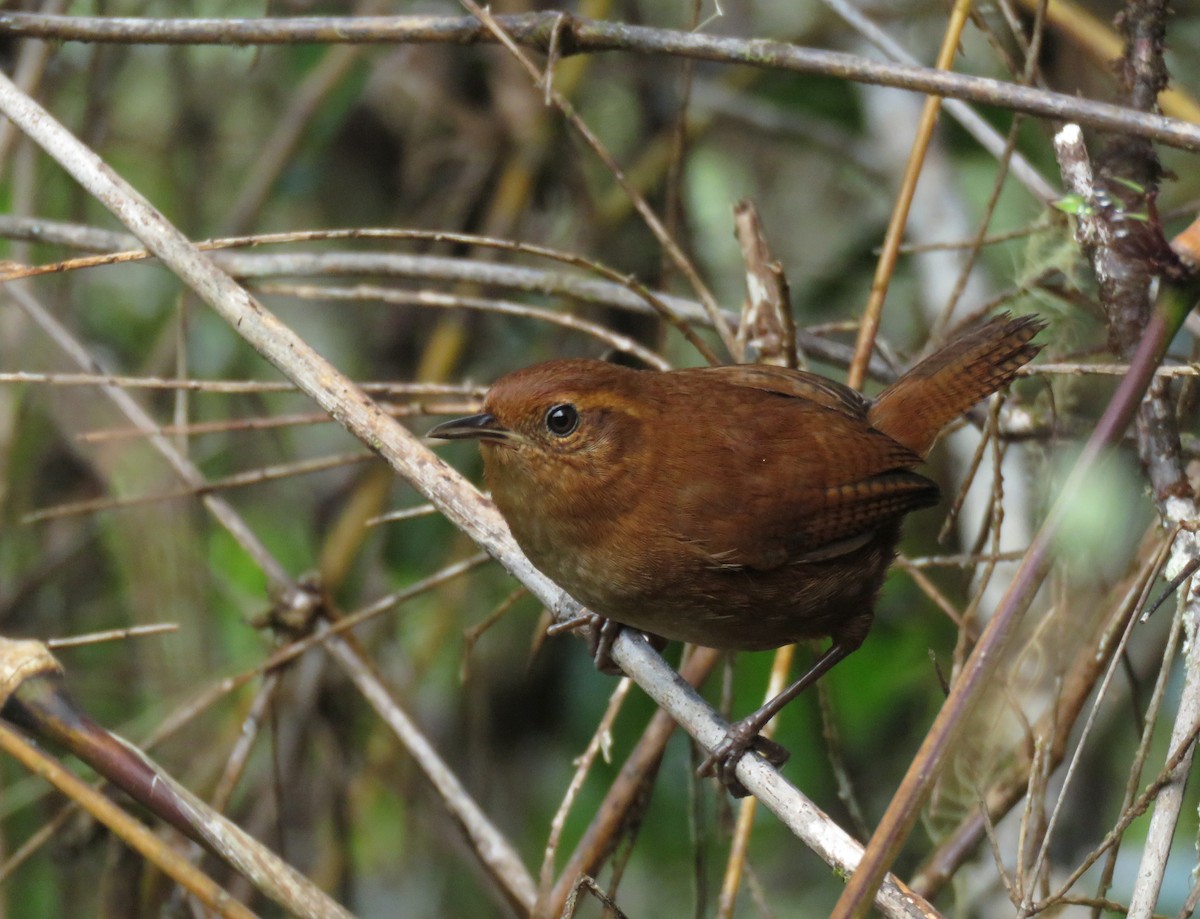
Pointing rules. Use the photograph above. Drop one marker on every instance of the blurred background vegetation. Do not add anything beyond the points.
(231, 141)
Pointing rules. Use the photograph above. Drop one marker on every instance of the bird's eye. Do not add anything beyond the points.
(562, 419)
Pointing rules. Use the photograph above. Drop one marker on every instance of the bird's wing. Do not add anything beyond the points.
(782, 381)
(811, 483)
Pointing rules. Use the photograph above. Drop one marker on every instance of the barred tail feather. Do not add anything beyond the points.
(915, 408)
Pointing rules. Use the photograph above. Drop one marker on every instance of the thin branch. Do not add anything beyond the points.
(614, 340)
(886, 266)
(1169, 803)
(128, 829)
(271, 422)
(227, 386)
(601, 741)
(681, 262)
(970, 120)
(501, 860)
(616, 292)
(578, 35)
(281, 583)
(238, 480)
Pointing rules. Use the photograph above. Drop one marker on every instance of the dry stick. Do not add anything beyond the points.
(1032, 55)
(91, 638)
(835, 754)
(1034, 820)
(1096, 39)
(1124, 279)
(224, 687)
(1111, 370)
(974, 124)
(1170, 800)
(238, 480)
(1109, 675)
(614, 340)
(905, 806)
(679, 133)
(493, 850)
(613, 291)
(1149, 724)
(869, 324)
(34, 842)
(128, 829)
(34, 697)
(407, 513)
(238, 757)
(441, 484)
(740, 847)
(963, 560)
(624, 796)
(651, 219)
(254, 861)
(1038, 226)
(1189, 906)
(1135, 810)
(277, 578)
(64, 233)
(27, 74)
(581, 35)
(997, 506)
(269, 422)
(960, 498)
(274, 877)
(227, 387)
(646, 300)
(1081, 677)
(285, 655)
(927, 587)
(766, 332)
(974, 246)
(601, 741)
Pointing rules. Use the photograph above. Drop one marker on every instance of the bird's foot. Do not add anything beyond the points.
(602, 633)
(723, 760)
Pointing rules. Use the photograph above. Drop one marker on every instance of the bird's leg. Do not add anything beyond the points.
(743, 735)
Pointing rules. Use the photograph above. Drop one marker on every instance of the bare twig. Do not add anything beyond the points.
(238, 480)
(886, 266)
(974, 124)
(606, 336)
(578, 35)
(127, 828)
(610, 290)
(600, 742)
(502, 862)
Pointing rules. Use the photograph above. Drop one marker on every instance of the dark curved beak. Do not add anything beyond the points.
(473, 427)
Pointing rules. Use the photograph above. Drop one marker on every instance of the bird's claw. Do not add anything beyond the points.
(602, 633)
(724, 758)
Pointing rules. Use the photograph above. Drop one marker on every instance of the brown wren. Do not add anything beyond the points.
(744, 506)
